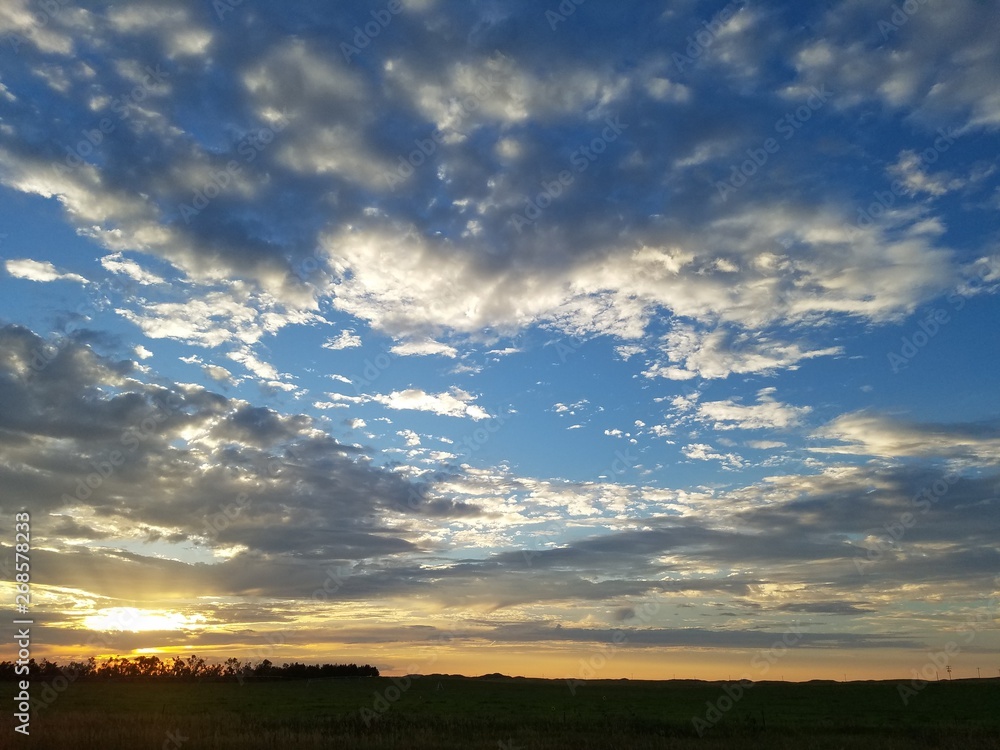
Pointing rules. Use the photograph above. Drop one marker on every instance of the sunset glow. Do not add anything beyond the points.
(649, 339)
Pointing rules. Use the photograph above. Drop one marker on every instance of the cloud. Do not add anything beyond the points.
(571, 409)
(35, 270)
(766, 445)
(135, 458)
(453, 403)
(704, 452)
(220, 374)
(911, 171)
(717, 354)
(783, 546)
(424, 348)
(767, 413)
(872, 434)
(310, 219)
(117, 263)
(412, 439)
(343, 340)
(936, 64)
(235, 314)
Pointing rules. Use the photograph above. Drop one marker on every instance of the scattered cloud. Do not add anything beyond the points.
(35, 270)
(343, 340)
(767, 413)
(424, 348)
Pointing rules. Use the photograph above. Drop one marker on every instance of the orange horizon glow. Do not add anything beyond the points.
(555, 661)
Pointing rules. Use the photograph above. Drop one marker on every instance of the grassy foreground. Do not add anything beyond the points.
(508, 714)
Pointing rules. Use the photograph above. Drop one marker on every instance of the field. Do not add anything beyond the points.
(508, 714)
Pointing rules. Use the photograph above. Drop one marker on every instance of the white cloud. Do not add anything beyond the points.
(627, 351)
(705, 452)
(425, 347)
(179, 35)
(18, 16)
(454, 403)
(560, 408)
(236, 313)
(323, 101)
(35, 270)
(412, 439)
(117, 263)
(911, 171)
(500, 92)
(254, 364)
(720, 353)
(765, 445)
(344, 340)
(665, 90)
(219, 374)
(767, 413)
(869, 434)
(941, 62)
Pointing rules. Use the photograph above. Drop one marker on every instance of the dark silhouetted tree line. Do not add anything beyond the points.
(177, 668)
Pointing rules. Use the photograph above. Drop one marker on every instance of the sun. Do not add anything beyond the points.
(132, 620)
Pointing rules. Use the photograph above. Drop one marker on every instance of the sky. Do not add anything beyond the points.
(579, 339)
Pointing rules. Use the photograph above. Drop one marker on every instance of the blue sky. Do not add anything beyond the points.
(519, 318)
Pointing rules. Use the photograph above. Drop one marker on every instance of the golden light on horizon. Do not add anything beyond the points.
(133, 620)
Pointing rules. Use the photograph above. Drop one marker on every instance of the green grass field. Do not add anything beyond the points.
(508, 714)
